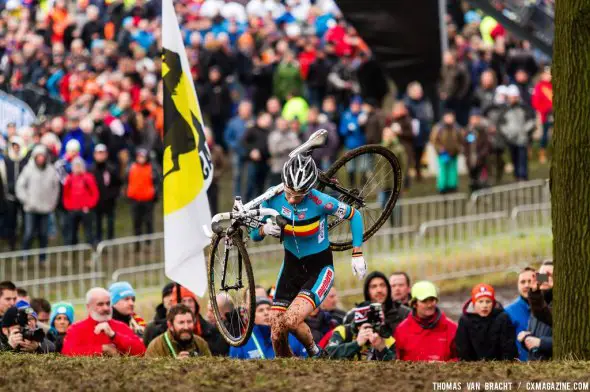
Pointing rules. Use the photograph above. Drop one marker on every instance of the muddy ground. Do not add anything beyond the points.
(50, 373)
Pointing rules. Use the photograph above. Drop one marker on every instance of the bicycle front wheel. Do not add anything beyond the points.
(231, 288)
(372, 178)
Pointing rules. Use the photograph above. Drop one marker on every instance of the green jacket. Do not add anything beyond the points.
(343, 345)
(159, 348)
(287, 80)
(395, 147)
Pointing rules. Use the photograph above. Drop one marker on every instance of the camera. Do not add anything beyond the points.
(28, 333)
(372, 314)
(542, 278)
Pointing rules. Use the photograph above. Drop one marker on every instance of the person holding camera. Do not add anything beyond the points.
(537, 340)
(366, 338)
(378, 290)
(179, 341)
(20, 333)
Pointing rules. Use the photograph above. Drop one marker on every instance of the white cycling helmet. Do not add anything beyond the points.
(300, 173)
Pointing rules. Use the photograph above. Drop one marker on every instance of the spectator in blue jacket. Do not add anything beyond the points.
(234, 132)
(260, 345)
(519, 311)
(83, 134)
(353, 136)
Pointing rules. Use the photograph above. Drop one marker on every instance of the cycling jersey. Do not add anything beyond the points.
(307, 231)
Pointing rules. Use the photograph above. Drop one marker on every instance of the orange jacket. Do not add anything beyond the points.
(142, 182)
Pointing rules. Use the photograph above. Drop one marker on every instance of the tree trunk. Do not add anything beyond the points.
(570, 180)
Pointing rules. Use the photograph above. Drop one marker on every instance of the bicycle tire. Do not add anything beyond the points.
(389, 205)
(222, 327)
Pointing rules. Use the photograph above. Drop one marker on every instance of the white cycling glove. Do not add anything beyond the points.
(272, 229)
(359, 266)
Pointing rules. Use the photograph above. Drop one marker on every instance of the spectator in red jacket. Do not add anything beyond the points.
(542, 101)
(99, 334)
(427, 334)
(80, 195)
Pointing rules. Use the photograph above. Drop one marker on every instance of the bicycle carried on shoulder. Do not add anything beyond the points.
(230, 275)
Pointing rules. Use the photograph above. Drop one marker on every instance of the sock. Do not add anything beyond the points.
(313, 350)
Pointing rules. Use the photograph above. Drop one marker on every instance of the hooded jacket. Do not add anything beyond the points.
(264, 349)
(343, 343)
(38, 188)
(394, 311)
(485, 338)
(14, 164)
(80, 191)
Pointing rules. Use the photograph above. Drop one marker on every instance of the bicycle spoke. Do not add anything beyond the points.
(376, 181)
(234, 292)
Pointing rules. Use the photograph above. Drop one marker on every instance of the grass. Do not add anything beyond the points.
(50, 373)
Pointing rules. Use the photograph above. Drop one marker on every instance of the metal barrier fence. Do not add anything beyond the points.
(59, 273)
(420, 242)
(131, 256)
(506, 197)
(531, 216)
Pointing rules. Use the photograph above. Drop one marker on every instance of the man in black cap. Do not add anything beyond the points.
(158, 325)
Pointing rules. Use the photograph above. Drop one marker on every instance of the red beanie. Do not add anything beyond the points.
(483, 290)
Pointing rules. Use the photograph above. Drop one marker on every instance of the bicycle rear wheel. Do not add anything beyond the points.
(372, 174)
(231, 288)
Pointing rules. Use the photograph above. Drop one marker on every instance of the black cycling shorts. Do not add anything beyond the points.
(310, 278)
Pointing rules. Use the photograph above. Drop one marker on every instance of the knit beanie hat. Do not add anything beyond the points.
(24, 305)
(167, 290)
(483, 290)
(120, 290)
(184, 292)
(62, 308)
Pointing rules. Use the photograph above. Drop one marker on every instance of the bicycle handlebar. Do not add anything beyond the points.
(256, 212)
(246, 214)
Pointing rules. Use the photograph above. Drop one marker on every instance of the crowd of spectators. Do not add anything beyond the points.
(268, 74)
(395, 320)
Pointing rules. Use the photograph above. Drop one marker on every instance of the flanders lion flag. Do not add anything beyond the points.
(188, 169)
